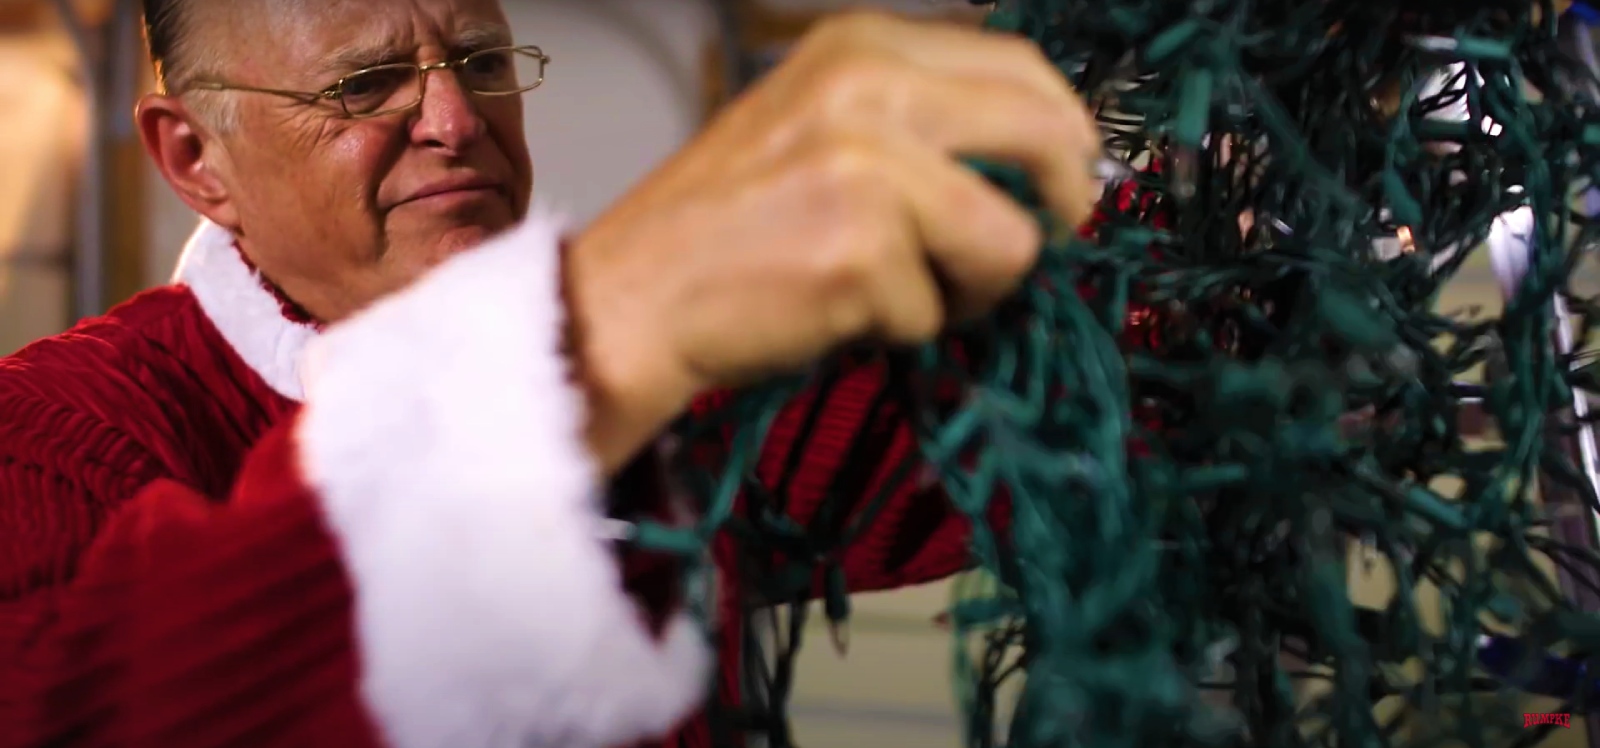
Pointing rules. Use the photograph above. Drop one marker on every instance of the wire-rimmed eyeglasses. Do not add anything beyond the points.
(387, 89)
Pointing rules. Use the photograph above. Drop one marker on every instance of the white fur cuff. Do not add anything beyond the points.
(445, 439)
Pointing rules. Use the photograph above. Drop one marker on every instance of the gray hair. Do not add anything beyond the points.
(179, 55)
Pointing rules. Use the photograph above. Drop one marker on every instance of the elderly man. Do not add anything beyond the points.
(339, 484)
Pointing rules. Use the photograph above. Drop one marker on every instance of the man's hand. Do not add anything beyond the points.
(826, 205)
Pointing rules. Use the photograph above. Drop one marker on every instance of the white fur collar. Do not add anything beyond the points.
(247, 314)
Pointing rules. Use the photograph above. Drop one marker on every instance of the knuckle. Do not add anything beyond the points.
(842, 282)
(845, 167)
(854, 26)
(1012, 237)
(840, 34)
(847, 83)
(855, 246)
(1071, 111)
(842, 272)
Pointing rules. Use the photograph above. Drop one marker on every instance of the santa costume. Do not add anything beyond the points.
(225, 527)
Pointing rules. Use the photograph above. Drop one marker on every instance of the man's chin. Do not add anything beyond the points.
(462, 238)
(445, 236)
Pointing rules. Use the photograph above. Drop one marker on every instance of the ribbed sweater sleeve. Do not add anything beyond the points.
(415, 559)
(860, 445)
(186, 621)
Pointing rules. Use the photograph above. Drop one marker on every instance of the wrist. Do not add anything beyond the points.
(632, 384)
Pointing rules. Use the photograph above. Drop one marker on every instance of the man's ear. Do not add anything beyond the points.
(186, 154)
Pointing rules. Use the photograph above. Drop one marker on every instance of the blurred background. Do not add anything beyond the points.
(85, 223)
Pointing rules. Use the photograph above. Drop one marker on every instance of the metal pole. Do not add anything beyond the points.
(120, 71)
(88, 270)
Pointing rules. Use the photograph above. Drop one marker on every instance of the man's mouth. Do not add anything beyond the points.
(461, 190)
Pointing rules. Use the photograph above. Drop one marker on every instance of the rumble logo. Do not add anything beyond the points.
(1538, 719)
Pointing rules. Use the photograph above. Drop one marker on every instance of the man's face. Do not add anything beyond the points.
(340, 211)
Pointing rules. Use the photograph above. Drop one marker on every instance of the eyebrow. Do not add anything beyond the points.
(357, 56)
(483, 36)
(470, 38)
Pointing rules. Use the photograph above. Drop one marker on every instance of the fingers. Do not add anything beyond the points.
(1057, 144)
(857, 139)
(1044, 128)
(978, 241)
(940, 242)
(868, 270)
(905, 297)
(947, 49)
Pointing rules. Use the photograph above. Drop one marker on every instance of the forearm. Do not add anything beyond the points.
(632, 382)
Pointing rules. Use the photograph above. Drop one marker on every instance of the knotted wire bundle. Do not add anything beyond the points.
(1165, 409)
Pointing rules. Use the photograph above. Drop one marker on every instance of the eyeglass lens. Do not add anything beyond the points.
(391, 87)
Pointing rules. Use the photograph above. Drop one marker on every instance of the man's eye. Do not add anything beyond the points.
(489, 67)
(373, 88)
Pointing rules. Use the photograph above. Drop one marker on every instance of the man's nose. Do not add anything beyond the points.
(448, 116)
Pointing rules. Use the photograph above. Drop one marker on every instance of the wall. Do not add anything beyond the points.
(43, 121)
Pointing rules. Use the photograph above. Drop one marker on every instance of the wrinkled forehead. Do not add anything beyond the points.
(332, 37)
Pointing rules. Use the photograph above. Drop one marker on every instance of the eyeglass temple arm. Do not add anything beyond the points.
(302, 95)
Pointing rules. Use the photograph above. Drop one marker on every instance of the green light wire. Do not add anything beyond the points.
(1191, 548)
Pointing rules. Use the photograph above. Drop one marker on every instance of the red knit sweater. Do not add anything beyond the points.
(192, 558)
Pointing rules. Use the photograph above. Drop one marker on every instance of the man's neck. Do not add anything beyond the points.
(292, 310)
